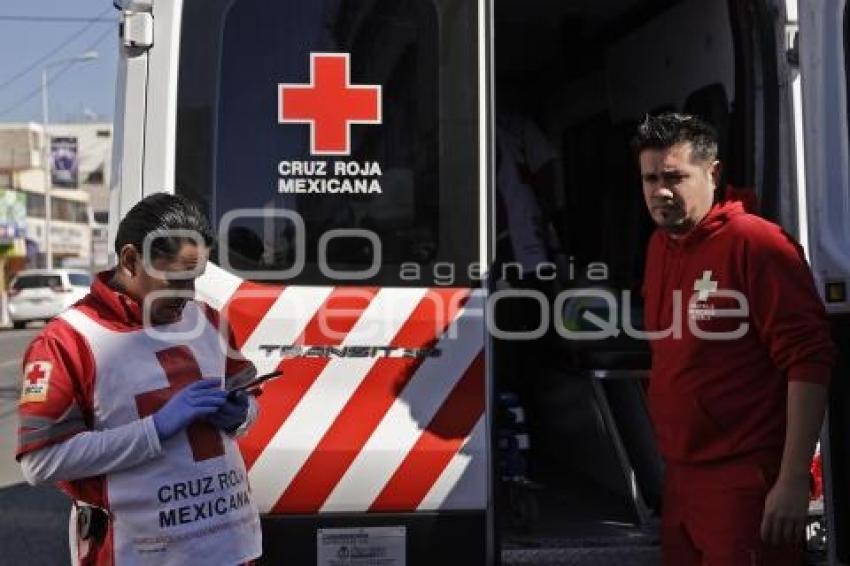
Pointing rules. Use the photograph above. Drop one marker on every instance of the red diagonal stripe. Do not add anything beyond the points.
(247, 307)
(329, 325)
(370, 402)
(437, 445)
(337, 316)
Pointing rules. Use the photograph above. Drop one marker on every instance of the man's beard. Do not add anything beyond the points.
(672, 219)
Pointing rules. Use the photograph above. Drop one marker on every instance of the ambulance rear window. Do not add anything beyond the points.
(329, 142)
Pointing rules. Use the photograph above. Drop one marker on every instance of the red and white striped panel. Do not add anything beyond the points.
(362, 434)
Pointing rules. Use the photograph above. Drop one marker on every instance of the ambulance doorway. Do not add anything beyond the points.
(577, 459)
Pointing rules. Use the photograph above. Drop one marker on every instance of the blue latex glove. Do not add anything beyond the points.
(202, 398)
(233, 413)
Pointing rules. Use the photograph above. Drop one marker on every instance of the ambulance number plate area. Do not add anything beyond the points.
(373, 546)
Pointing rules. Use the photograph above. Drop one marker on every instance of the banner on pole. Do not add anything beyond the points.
(64, 162)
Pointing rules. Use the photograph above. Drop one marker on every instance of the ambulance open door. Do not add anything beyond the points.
(818, 40)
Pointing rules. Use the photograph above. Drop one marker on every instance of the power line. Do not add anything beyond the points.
(56, 19)
(53, 51)
(26, 98)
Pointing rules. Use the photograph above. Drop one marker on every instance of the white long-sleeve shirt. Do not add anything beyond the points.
(94, 453)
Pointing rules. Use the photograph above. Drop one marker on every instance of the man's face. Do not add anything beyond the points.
(165, 275)
(678, 192)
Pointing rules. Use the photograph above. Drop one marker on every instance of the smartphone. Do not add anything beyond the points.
(238, 384)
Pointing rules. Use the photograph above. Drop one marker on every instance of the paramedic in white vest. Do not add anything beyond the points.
(123, 406)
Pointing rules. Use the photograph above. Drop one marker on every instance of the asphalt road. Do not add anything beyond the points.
(33, 520)
(12, 346)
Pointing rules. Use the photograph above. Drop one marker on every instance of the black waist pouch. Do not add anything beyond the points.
(92, 523)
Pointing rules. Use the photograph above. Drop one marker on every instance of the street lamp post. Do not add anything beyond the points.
(87, 56)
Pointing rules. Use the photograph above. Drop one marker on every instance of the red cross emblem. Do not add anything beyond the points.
(36, 381)
(181, 369)
(35, 374)
(329, 103)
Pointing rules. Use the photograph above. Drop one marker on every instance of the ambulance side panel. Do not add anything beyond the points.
(822, 50)
(128, 155)
(158, 173)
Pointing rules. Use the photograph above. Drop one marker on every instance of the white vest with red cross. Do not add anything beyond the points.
(193, 504)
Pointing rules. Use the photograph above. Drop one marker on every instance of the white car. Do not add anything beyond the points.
(41, 294)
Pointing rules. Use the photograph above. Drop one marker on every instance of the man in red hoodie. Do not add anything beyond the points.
(741, 358)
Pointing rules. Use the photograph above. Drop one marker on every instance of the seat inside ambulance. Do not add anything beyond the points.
(578, 463)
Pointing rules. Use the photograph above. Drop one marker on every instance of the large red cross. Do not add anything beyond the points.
(329, 103)
(35, 374)
(181, 369)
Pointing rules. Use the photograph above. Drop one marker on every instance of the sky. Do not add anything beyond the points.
(31, 38)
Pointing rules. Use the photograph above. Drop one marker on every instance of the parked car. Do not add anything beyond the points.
(41, 294)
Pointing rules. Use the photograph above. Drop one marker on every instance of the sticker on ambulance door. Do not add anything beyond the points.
(372, 546)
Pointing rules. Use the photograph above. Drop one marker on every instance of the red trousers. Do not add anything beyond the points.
(712, 516)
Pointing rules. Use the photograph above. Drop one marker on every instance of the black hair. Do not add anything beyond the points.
(668, 129)
(165, 213)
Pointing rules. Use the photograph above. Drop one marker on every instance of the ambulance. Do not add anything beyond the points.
(403, 190)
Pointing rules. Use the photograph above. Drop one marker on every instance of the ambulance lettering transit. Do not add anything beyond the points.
(423, 206)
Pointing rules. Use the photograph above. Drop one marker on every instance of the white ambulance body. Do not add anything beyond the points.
(364, 163)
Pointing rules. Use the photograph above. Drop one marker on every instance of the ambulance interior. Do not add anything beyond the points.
(572, 81)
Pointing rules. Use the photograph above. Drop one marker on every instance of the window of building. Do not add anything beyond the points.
(35, 205)
(60, 209)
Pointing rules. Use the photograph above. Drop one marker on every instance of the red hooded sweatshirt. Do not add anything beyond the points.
(714, 396)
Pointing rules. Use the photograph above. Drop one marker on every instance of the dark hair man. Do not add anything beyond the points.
(740, 363)
(123, 405)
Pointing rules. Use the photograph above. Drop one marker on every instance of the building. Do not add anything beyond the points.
(80, 158)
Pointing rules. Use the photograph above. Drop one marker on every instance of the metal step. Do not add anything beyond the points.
(615, 546)
(601, 556)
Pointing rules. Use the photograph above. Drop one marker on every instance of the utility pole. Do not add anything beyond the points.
(48, 244)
